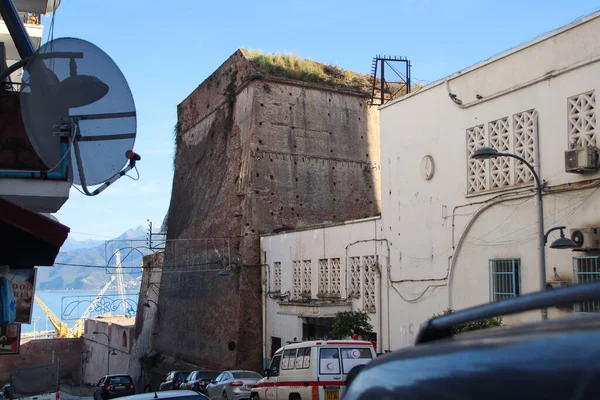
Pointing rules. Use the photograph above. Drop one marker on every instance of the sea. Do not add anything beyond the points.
(69, 305)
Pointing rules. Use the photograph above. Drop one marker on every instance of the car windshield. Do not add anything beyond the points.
(119, 380)
(181, 375)
(207, 374)
(246, 375)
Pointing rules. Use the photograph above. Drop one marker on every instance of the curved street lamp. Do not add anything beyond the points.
(485, 153)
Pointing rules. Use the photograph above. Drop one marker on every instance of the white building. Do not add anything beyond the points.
(462, 232)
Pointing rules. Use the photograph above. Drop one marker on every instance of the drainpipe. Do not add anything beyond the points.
(265, 287)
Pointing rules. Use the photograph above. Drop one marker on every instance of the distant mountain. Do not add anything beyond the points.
(73, 244)
(80, 267)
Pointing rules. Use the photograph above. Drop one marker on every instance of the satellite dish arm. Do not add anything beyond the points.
(133, 157)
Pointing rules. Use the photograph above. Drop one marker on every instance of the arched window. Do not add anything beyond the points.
(125, 339)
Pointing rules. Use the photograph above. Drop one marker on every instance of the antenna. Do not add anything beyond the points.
(79, 113)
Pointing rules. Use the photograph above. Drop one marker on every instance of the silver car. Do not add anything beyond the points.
(232, 385)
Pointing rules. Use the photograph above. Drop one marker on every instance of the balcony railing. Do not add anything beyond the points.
(30, 18)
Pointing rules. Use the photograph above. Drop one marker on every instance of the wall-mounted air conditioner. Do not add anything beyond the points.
(582, 159)
(586, 239)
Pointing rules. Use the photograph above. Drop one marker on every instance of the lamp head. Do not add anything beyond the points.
(563, 243)
(484, 153)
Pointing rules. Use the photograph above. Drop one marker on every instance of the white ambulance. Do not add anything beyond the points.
(313, 370)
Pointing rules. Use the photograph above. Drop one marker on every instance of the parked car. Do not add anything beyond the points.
(233, 385)
(198, 380)
(548, 359)
(113, 386)
(5, 391)
(322, 366)
(173, 380)
(168, 394)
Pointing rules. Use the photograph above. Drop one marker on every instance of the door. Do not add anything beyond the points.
(215, 391)
(330, 373)
(271, 382)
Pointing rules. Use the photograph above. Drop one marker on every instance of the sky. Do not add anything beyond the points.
(166, 49)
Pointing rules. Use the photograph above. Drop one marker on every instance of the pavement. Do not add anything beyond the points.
(68, 392)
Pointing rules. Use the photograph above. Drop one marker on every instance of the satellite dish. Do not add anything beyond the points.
(74, 94)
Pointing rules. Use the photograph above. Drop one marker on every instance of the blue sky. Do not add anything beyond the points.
(167, 48)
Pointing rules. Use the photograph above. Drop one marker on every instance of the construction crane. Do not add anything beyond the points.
(121, 284)
(78, 329)
(62, 330)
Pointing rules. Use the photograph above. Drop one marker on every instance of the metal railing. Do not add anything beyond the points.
(30, 18)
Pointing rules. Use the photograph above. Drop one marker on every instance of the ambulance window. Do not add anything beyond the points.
(353, 357)
(303, 358)
(274, 368)
(289, 359)
(329, 361)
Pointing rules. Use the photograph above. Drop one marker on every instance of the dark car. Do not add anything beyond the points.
(197, 380)
(550, 359)
(173, 380)
(5, 391)
(168, 394)
(113, 386)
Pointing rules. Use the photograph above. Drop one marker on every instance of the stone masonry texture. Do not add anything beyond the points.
(254, 154)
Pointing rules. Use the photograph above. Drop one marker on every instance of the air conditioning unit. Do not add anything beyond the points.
(586, 239)
(582, 159)
(556, 284)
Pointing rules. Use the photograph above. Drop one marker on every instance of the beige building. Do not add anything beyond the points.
(457, 232)
(113, 341)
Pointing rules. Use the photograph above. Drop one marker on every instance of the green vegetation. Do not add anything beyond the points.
(472, 326)
(348, 323)
(294, 67)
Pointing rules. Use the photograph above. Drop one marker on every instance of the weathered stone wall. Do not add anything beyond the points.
(272, 153)
(37, 352)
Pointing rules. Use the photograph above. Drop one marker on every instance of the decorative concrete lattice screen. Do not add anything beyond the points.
(499, 140)
(277, 277)
(525, 131)
(306, 278)
(354, 281)
(297, 279)
(582, 120)
(502, 172)
(476, 171)
(323, 276)
(371, 271)
(336, 277)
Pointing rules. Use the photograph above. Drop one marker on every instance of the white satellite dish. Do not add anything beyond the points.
(76, 106)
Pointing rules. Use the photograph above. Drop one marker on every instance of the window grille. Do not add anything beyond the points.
(297, 279)
(582, 119)
(354, 281)
(277, 277)
(504, 278)
(585, 269)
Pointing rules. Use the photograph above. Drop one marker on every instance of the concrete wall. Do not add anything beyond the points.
(284, 317)
(444, 235)
(97, 348)
(36, 352)
(253, 156)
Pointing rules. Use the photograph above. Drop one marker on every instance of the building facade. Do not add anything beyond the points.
(254, 153)
(458, 232)
(309, 275)
(114, 341)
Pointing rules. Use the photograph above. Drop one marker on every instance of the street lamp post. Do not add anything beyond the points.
(485, 153)
(108, 353)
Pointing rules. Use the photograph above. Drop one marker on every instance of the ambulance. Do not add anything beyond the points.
(314, 370)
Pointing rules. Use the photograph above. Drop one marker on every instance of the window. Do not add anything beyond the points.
(354, 289)
(353, 357)
(329, 277)
(119, 380)
(303, 358)
(582, 120)
(306, 278)
(289, 359)
(277, 277)
(370, 273)
(246, 375)
(329, 361)
(336, 277)
(274, 368)
(585, 269)
(297, 280)
(504, 278)
(323, 276)
(502, 172)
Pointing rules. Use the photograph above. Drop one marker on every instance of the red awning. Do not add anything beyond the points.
(27, 238)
